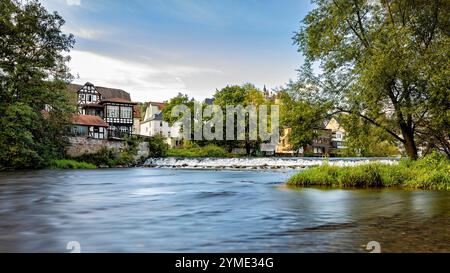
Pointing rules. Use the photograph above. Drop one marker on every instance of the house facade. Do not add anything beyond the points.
(104, 113)
(338, 134)
(153, 124)
(320, 146)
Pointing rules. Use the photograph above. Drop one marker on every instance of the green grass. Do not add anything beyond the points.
(71, 164)
(431, 172)
(206, 151)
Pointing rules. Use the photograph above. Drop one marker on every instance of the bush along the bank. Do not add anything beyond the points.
(157, 146)
(431, 172)
(71, 164)
(193, 150)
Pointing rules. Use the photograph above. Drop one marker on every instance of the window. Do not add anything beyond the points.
(89, 98)
(339, 136)
(113, 111)
(78, 130)
(125, 112)
(318, 150)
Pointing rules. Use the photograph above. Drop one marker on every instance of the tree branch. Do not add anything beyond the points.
(363, 41)
(361, 27)
(390, 12)
(392, 133)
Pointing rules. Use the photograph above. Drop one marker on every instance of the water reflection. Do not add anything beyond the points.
(153, 210)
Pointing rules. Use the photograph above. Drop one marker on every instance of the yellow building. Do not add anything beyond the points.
(338, 136)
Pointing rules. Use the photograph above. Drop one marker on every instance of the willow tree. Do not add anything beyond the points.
(386, 62)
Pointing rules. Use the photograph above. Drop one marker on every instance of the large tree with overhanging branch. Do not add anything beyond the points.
(33, 77)
(386, 62)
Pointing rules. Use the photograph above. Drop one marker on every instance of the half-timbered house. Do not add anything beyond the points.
(113, 106)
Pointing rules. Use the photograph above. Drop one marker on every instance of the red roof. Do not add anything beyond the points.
(118, 100)
(136, 112)
(89, 120)
(160, 105)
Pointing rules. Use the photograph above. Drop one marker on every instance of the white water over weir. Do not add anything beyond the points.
(259, 162)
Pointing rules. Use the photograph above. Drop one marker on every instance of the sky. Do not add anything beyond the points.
(155, 49)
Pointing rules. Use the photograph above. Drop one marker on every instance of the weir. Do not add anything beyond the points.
(259, 162)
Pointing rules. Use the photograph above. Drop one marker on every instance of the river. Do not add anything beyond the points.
(172, 210)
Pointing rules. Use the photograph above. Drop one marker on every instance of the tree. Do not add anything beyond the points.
(180, 99)
(301, 113)
(244, 95)
(33, 76)
(361, 138)
(386, 62)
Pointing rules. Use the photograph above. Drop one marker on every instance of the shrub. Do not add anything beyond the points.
(71, 164)
(430, 172)
(104, 157)
(324, 175)
(196, 151)
(157, 147)
(360, 176)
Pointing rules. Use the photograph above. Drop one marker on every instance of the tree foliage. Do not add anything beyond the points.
(301, 113)
(363, 139)
(33, 76)
(386, 62)
(232, 95)
(157, 146)
(243, 95)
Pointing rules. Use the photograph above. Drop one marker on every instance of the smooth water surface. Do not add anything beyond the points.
(165, 210)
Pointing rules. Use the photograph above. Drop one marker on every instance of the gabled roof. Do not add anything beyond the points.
(209, 101)
(106, 92)
(88, 120)
(158, 116)
(160, 105)
(117, 100)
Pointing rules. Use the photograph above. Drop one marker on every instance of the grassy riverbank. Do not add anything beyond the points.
(431, 172)
(71, 164)
(196, 151)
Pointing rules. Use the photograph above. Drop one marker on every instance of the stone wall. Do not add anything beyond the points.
(142, 150)
(82, 145)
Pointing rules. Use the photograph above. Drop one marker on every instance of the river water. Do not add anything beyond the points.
(168, 210)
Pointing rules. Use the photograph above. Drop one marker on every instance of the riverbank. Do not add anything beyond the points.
(71, 164)
(431, 172)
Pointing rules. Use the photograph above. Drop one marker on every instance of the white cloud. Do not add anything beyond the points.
(89, 34)
(73, 2)
(145, 82)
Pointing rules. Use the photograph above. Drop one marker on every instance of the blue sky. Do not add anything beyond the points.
(157, 48)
